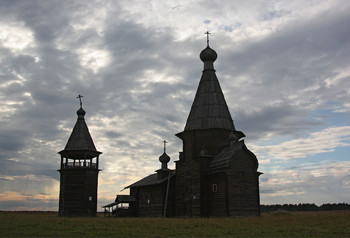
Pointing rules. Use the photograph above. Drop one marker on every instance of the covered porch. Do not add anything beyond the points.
(124, 205)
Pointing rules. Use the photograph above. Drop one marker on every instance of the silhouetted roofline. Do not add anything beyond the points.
(151, 179)
(80, 142)
(209, 108)
(76, 154)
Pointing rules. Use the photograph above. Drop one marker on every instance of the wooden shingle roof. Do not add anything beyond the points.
(221, 162)
(121, 199)
(80, 142)
(150, 180)
(209, 108)
(223, 159)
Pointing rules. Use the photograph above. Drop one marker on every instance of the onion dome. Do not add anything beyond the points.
(163, 172)
(81, 113)
(208, 54)
(164, 158)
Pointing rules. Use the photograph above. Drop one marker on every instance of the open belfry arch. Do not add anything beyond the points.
(79, 171)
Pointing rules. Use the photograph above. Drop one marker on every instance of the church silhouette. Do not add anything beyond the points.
(215, 176)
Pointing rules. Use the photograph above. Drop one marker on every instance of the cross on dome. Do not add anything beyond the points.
(81, 104)
(207, 33)
(164, 142)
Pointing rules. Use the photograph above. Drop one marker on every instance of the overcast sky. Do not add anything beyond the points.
(283, 67)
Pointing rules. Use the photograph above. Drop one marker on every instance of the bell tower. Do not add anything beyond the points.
(79, 171)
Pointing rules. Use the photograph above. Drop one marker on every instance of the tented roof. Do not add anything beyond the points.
(209, 109)
(80, 144)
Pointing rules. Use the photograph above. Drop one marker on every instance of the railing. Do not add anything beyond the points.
(79, 164)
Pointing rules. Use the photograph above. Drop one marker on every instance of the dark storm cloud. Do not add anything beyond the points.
(281, 120)
(46, 19)
(21, 166)
(12, 140)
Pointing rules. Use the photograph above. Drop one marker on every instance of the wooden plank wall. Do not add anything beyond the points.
(77, 185)
(217, 202)
(151, 199)
(243, 186)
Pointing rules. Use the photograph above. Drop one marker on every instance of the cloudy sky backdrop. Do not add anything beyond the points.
(283, 67)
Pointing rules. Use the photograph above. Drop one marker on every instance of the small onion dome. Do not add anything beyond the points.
(164, 158)
(81, 113)
(208, 54)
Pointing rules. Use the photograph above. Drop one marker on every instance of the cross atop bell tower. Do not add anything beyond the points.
(81, 104)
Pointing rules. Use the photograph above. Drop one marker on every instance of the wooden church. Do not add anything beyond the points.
(153, 195)
(79, 172)
(216, 174)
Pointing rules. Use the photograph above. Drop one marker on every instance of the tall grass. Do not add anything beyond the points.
(281, 224)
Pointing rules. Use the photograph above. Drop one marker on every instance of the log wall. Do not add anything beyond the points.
(78, 191)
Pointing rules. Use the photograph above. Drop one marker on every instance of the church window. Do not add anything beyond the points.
(214, 187)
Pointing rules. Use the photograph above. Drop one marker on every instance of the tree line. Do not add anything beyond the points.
(305, 207)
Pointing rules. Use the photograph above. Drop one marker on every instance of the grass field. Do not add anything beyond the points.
(278, 224)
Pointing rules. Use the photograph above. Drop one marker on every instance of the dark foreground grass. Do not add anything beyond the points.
(283, 224)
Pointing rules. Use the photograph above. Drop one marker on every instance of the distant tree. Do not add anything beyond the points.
(305, 207)
(335, 206)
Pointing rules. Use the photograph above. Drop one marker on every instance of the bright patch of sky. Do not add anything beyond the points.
(15, 36)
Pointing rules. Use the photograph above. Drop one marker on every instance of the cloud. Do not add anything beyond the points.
(307, 183)
(282, 66)
(319, 142)
(28, 192)
(15, 36)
